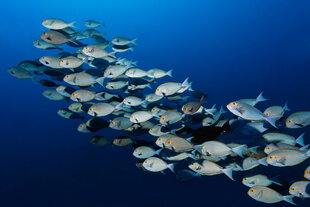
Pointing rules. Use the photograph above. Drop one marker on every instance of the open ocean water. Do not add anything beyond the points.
(228, 49)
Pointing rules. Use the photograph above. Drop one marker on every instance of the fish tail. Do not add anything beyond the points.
(100, 81)
(73, 40)
(222, 111)
(134, 41)
(300, 140)
(285, 107)
(171, 167)
(263, 161)
(228, 172)
(72, 24)
(238, 150)
(271, 120)
(169, 73)
(260, 98)
(289, 199)
(308, 153)
(254, 149)
(131, 49)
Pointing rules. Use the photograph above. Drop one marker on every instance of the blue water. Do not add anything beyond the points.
(229, 49)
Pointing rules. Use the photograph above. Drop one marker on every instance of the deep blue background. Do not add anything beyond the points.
(229, 49)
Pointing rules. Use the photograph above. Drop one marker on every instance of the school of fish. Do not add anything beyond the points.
(171, 122)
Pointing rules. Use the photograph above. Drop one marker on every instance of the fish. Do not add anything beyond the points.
(101, 109)
(273, 147)
(249, 112)
(140, 116)
(144, 152)
(115, 85)
(134, 101)
(83, 95)
(79, 107)
(155, 164)
(284, 138)
(53, 95)
(210, 168)
(158, 73)
(267, 195)
(82, 79)
(100, 140)
(298, 120)
(56, 38)
(307, 173)
(41, 44)
(96, 52)
(123, 41)
(56, 24)
(51, 61)
(253, 102)
(276, 111)
(170, 117)
(259, 179)
(178, 144)
(136, 73)
(71, 62)
(21, 73)
(215, 148)
(120, 123)
(115, 70)
(192, 107)
(93, 24)
(287, 157)
(65, 90)
(92, 32)
(300, 189)
(123, 141)
(67, 114)
(170, 88)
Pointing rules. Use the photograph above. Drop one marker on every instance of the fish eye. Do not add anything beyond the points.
(184, 108)
(267, 114)
(253, 191)
(145, 161)
(203, 147)
(91, 109)
(245, 178)
(74, 94)
(44, 33)
(235, 104)
(113, 122)
(160, 139)
(131, 117)
(204, 121)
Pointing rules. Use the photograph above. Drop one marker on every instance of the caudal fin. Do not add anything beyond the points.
(285, 107)
(260, 98)
(100, 80)
(289, 199)
(271, 120)
(300, 140)
(169, 73)
(72, 24)
(238, 150)
(228, 172)
(134, 41)
(171, 166)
